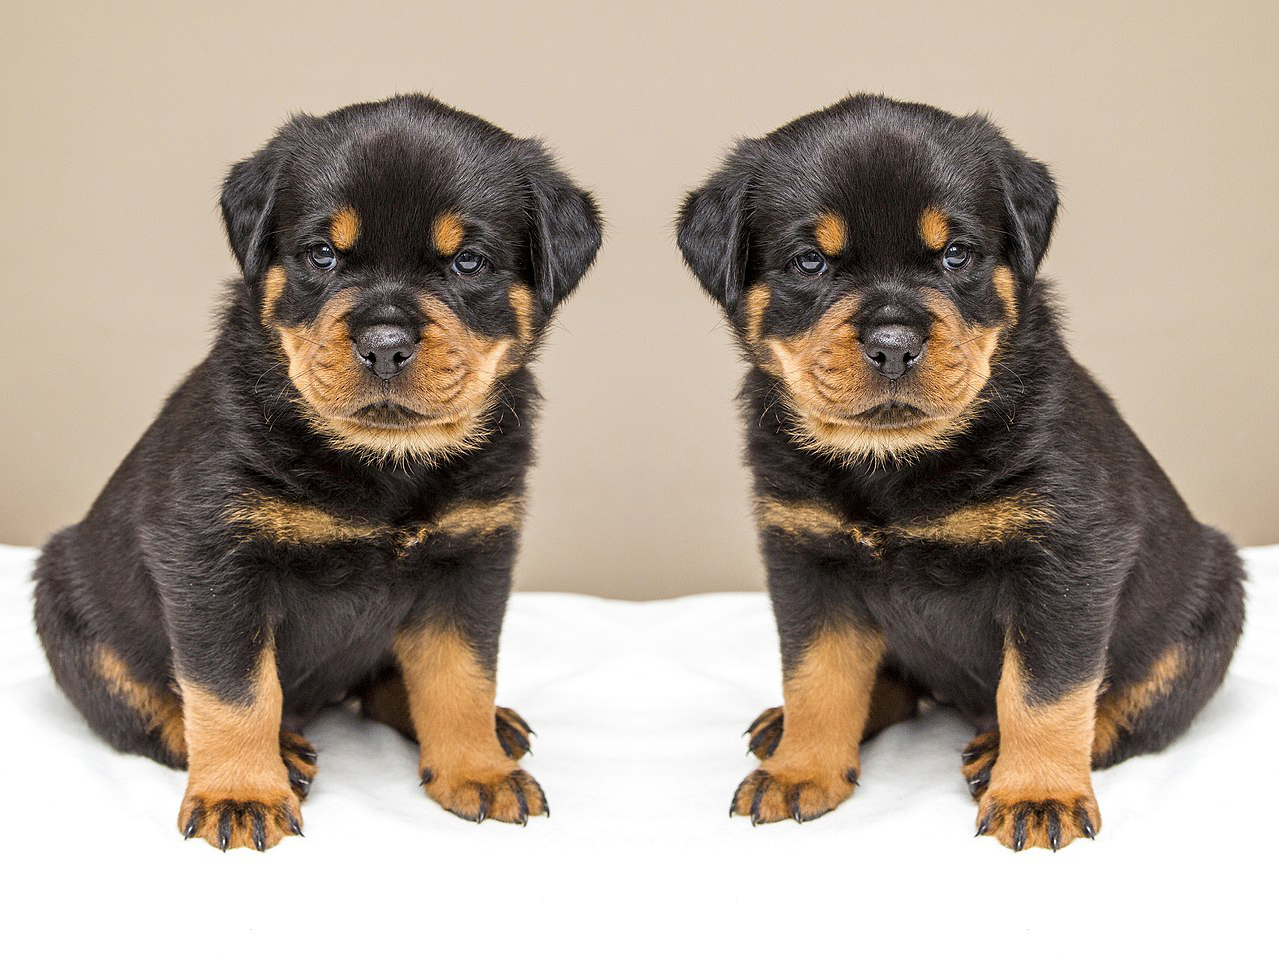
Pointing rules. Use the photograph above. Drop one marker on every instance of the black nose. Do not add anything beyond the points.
(892, 349)
(385, 348)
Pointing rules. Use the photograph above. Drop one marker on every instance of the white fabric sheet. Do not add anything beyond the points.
(639, 709)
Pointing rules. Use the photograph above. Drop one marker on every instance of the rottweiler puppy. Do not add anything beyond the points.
(948, 504)
(329, 505)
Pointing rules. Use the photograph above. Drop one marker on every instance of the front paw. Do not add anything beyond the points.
(1038, 818)
(499, 792)
(779, 792)
(229, 819)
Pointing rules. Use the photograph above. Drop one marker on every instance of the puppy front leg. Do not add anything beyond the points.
(238, 786)
(451, 685)
(826, 690)
(1040, 793)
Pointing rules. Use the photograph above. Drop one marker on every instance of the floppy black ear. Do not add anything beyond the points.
(713, 231)
(1031, 206)
(248, 196)
(565, 229)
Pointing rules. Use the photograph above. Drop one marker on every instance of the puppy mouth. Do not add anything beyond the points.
(389, 415)
(890, 415)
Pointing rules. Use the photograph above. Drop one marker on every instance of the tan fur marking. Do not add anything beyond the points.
(1118, 710)
(160, 711)
(272, 287)
(449, 384)
(758, 298)
(826, 702)
(451, 705)
(344, 231)
(1044, 762)
(1009, 518)
(294, 523)
(1002, 280)
(447, 233)
(521, 299)
(284, 522)
(986, 523)
(829, 383)
(831, 233)
(234, 762)
(934, 229)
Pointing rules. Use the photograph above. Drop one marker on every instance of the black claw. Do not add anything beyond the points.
(795, 805)
(758, 799)
(971, 755)
(224, 830)
(259, 828)
(298, 780)
(979, 781)
(754, 744)
(1054, 830)
(984, 825)
(1020, 830)
(193, 822)
(427, 776)
(851, 776)
(309, 756)
(1086, 827)
(521, 802)
(294, 826)
(483, 813)
(520, 741)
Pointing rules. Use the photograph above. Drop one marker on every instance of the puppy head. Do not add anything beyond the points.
(872, 257)
(405, 257)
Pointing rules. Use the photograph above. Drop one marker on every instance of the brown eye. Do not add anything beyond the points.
(956, 256)
(322, 256)
(468, 262)
(811, 262)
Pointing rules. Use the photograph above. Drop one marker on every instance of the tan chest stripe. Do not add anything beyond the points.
(283, 522)
(997, 522)
(233, 747)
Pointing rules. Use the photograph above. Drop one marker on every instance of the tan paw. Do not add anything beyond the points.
(234, 819)
(1031, 818)
(499, 792)
(780, 792)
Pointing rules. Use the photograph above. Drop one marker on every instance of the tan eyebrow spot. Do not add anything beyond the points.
(933, 228)
(832, 233)
(345, 228)
(447, 233)
(272, 287)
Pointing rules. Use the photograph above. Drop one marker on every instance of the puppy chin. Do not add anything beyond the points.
(386, 431)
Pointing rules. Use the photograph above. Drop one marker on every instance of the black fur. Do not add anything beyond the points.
(1122, 572)
(157, 574)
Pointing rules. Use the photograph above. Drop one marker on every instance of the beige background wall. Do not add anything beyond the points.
(1160, 121)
